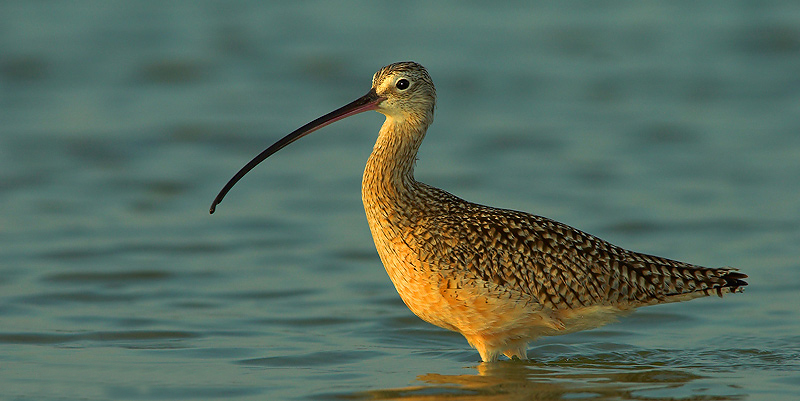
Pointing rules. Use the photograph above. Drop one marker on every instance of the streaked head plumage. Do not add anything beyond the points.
(407, 89)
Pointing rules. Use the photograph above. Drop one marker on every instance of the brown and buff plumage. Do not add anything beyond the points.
(499, 277)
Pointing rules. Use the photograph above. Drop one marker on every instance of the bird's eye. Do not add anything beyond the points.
(402, 84)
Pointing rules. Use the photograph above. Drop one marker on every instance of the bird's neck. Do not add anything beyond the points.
(389, 174)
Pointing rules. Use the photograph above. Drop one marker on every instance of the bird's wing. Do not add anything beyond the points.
(562, 267)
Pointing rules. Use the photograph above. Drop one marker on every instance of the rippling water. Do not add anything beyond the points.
(669, 128)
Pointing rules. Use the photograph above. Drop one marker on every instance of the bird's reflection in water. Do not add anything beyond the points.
(569, 379)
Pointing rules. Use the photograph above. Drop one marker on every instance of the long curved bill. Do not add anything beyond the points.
(370, 101)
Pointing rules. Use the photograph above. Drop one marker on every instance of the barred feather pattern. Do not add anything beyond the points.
(557, 265)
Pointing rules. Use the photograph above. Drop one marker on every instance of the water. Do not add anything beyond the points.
(668, 128)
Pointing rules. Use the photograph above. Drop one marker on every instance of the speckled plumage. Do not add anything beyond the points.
(499, 277)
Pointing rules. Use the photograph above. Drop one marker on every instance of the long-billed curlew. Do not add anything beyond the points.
(499, 277)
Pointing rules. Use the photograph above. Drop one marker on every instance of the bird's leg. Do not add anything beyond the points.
(488, 353)
(520, 351)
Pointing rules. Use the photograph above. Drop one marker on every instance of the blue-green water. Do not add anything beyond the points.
(671, 128)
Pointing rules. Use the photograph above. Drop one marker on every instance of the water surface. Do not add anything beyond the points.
(668, 128)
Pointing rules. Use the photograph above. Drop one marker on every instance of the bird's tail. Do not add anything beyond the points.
(698, 282)
(730, 281)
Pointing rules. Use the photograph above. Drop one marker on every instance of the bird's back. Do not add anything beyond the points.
(556, 265)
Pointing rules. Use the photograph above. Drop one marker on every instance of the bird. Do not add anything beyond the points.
(499, 277)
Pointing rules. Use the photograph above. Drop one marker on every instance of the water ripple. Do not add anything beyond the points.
(96, 336)
(320, 358)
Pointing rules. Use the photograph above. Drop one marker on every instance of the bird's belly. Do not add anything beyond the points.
(418, 287)
(454, 300)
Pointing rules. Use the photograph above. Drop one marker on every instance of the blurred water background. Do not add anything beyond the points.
(671, 128)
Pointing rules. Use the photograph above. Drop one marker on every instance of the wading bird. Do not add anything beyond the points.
(499, 277)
